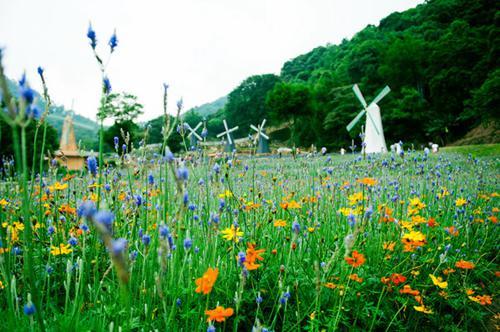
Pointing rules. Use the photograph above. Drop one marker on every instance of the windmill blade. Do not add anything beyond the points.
(358, 94)
(197, 126)
(229, 138)
(254, 128)
(263, 123)
(221, 134)
(225, 124)
(373, 123)
(382, 94)
(264, 135)
(233, 129)
(255, 138)
(355, 120)
(198, 137)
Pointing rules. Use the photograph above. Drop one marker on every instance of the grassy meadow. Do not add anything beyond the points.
(241, 243)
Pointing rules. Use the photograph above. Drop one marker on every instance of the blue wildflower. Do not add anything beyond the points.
(188, 243)
(182, 173)
(72, 241)
(27, 94)
(29, 309)
(118, 246)
(91, 35)
(106, 85)
(106, 219)
(92, 165)
(146, 239)
(113, 41)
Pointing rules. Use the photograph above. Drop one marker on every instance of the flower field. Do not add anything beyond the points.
(242, 243)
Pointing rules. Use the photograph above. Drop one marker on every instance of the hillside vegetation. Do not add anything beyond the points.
(440, 59)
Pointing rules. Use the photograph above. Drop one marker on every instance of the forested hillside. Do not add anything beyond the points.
(441, 60)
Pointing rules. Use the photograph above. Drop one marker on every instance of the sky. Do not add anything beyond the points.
(202, 48)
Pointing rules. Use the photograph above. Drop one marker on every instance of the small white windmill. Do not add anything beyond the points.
(229, 147)
(374, 141)
(193, 136)
(261, 137)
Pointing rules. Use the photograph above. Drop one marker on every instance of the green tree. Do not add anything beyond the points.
(247, 103)
(155, 135)
(288, 102)
(123, 107)
(6, 141)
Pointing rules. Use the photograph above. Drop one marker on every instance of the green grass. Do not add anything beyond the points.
(482, 150)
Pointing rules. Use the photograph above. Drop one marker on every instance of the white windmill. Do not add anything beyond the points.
(261, 137)
(193, 136)
(374, 141)
(229, 147)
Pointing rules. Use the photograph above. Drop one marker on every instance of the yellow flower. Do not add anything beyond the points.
(355, 198)
(460, 202)
(416, 202)
(3, 202)
(232, 234)
(414, 236)
(63, 249)
(280, 223)
(443, 193)
(438, 281)
(1, 285)
(18, 226)
(58, 186)
(389, 245)
(345, 211)
(294, 205)
(423, 309)
(226, 194)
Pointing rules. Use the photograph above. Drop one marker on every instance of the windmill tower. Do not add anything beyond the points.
(68, 154)
(374, 141)
(261, 137)
(229, 146)
(193, 136)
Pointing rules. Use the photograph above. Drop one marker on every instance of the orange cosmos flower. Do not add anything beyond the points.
(484, 299)
(252, 256)
(432, 222)
(356, 278)
(407, 290)
(367, 181)
(219, 314)
(357, 259)
(330, 285)
(461, 264)
(452, 230)
(397, 278)
(206, 283)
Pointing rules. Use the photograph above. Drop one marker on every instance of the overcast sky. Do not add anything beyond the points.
(201, 48)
